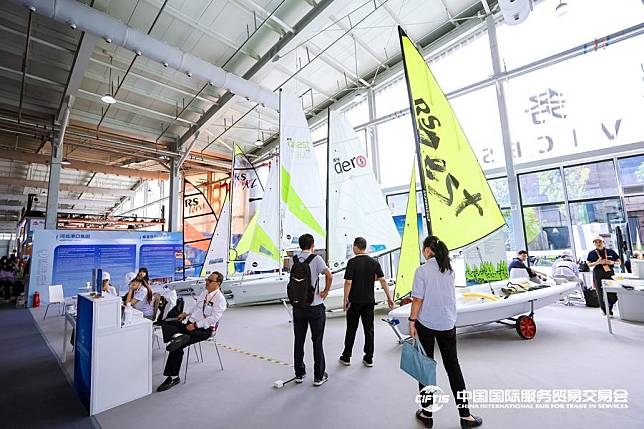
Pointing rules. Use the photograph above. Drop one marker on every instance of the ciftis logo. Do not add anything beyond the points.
(432, 397)
(345, 166)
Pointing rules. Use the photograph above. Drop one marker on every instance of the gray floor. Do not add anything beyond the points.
(572, 350)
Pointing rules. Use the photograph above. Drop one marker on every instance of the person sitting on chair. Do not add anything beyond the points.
(565, 266)
(191, 328)
(140, 297)
(520, 262)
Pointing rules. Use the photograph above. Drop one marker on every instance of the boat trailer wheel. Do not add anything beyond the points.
(526, 327)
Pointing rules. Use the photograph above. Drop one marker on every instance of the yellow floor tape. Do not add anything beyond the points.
(255, 355)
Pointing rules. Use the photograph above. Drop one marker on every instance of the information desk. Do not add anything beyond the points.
(112, 363)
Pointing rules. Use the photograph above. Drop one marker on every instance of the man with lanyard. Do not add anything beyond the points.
(359, 300)
(190, 328)
(603, 259)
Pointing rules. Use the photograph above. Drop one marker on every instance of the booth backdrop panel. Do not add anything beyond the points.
(68, 257)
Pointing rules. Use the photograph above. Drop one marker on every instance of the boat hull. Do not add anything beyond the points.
(247, 291)
(476, 311)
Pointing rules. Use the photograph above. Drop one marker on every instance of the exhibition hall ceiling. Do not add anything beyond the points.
(338, 49)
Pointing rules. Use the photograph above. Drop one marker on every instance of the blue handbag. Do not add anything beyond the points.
(416, 363)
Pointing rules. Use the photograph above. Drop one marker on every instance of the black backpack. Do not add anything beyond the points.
(300, 290)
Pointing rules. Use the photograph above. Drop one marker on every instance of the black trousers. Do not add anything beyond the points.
(355, 313)
(315, 317)
(598, 276)
(173, 364)
(447, 345)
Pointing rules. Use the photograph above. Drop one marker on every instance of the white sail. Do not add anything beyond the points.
(264, 252)
(217, 257)
(303, 204)
(357, 207)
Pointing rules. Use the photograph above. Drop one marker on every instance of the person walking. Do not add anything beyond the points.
(312, 313)
(602, 260)
(359, 300)
(433, 318)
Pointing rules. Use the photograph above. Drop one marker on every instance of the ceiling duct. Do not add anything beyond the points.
(85, 18)
(515, 11)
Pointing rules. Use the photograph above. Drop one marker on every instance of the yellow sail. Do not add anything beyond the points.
(459, 203)
(409, 258)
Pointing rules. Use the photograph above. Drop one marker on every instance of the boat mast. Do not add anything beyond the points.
(328, 160)
(279, 187)
(230, 212)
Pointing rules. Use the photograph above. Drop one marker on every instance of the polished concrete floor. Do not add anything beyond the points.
(572, 350)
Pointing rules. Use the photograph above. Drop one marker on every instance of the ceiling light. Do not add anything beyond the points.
(259, 143)
(562, 8)
(108, 98)
(65, 161)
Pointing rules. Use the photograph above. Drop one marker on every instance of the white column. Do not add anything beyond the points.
(518, 238)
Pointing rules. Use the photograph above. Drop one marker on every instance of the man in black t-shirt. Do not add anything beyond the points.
(361, 273)
(602, 260)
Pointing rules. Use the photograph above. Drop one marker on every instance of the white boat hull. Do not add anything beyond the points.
(335, 298)
(476, 311)
(247, 290)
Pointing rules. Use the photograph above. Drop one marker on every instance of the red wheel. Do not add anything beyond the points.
(526, 328)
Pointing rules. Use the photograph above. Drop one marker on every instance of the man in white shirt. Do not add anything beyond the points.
(190, 328)
(565, 266)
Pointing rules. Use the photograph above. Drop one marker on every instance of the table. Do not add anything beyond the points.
(631, 302)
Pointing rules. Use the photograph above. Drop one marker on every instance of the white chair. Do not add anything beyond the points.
(519, 273)
(56, 296)
(213, 340)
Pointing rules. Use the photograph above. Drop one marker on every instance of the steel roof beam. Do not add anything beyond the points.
(265, 59)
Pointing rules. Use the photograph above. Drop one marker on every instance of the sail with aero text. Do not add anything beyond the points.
(199, 223)
(459, 203)
(302, 200)
(356, 205)
(263, 246)
(409, 259)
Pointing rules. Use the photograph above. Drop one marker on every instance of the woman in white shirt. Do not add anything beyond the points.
(107, 287)
(433, 317)
(140, 297)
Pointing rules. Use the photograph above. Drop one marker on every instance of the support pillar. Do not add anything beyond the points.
(518, 238)
(173, 200)
(51, 217)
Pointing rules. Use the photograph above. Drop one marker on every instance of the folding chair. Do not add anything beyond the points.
(56, 297)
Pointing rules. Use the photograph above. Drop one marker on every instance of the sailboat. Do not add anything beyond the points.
(356, 206)
(460, 209)
(293, 204)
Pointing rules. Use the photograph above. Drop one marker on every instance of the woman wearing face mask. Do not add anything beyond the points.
(433, 318)
(140, 297)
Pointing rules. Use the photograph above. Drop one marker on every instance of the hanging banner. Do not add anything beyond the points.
(458, 201)
(199, 223)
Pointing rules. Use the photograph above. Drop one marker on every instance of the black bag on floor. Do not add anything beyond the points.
(299, 289)
(591, 298)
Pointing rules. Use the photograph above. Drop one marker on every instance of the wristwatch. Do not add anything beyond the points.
(411, 320)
